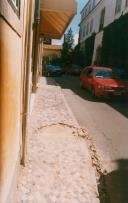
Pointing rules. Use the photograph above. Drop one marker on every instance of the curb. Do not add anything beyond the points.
(67, 106)
(69, 109)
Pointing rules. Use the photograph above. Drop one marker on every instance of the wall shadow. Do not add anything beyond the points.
(72, 82)
(72, 85)
(119, 104)
(113, 187)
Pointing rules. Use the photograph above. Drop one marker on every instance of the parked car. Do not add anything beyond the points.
(73, 69)
(53, 70)
(102, 82)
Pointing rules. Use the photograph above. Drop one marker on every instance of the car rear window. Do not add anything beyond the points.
(103, 73)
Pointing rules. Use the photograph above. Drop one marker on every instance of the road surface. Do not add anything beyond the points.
(107, 123)
(105, 119)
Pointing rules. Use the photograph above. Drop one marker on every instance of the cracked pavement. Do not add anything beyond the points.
(58, 164)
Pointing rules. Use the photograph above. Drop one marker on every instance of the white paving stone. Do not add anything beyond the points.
(58, 166)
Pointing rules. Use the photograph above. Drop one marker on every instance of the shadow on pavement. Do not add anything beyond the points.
(50, 81)
(113, 187)
(115, 184)
(72, 83)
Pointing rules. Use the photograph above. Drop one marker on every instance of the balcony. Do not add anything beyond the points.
(56, 15)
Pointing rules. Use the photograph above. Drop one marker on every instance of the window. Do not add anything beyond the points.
(94, 2)
(15, 4)
(118, 6)
(85, 12)
(102, 17)
(80, 32)
(84, 31)
(126, 3)
(103, 73)
(89, 8)
(87, 29)
(91, 25)
(82, 16)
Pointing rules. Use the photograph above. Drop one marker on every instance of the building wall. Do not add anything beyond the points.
(12, 38)
(95, 14)
(51, 51)
(10, 83)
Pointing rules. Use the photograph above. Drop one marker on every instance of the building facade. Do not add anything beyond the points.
(22, 26)
(51, 53)
(100, 15)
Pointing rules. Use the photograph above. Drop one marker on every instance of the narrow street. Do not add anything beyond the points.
(59, 143)
(105, 119)
(59, 165)
(107, 124)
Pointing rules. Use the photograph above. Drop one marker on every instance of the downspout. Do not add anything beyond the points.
(36, 44)
(26, 76)
(40, 57)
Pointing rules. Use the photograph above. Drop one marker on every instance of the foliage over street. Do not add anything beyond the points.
(67, 50)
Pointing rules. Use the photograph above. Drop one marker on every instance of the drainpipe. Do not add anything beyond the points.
(26, 76)
(36, 45)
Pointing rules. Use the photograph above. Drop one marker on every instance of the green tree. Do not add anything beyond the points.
(78, 55)
(66, 54)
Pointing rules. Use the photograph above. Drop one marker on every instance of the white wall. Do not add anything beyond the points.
(110, 16)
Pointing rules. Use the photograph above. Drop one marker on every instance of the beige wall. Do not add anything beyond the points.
(13, 20)
(12, 43)
(10, 90)
(51, 51)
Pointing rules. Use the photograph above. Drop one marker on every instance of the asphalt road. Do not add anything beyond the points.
(105, 119)
(107, 123)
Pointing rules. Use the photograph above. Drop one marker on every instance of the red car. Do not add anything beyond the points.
(101, 82)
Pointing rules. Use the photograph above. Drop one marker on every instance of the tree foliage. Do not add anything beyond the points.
(66, 54)
(78, 55)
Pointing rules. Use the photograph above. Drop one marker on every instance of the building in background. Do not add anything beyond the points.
(51, 53)
(96, 19)
(22, 26)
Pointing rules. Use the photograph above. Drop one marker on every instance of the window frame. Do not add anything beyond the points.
(102, 19)
(91, 25)
(87, 29)
(16, 8)
(93, 4)
(118, 6)
(84, 31)
(126, 3)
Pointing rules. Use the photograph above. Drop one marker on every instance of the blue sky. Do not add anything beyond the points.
(75, 22)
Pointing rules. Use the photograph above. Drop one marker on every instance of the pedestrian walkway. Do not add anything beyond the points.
(58, 166)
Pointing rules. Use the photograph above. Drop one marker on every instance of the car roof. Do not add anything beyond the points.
(101, 68)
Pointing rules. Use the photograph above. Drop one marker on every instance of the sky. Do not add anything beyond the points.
(75, 23)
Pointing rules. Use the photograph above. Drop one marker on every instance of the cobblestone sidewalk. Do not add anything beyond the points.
(58, 166)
